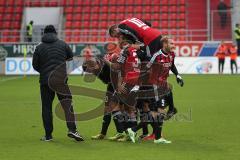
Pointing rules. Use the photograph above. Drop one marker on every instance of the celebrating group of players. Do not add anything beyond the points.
(136, 71)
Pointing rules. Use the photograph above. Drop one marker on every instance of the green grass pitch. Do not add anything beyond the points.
(207, 126)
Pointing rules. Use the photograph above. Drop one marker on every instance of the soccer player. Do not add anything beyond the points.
(160, 65)
(103, 73)
(136, 30)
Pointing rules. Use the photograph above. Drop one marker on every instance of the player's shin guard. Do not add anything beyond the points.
(106, 122)
(145, 120)
(118, 119)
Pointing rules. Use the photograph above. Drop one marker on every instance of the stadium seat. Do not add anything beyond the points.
(104, 9)
(173, 2)
(112, 9)
(18, 10)
(94, 17)
(155, 24)
(182, 24)
(164, 9)
(85, 24)
(76, 25)
(95, 9)
(164, 24)
(9, 10)
(1, 9)
(138, 9)
(77, 10)
(103, 16)
(68, 25)
(182, 2)
(104, 2)
(182, 9)
(10, 2)
(86, 9)
(172, 24)
(112, 16)
(146, 16)
(164, 2)
(173, 9)
(18, 17)
(78, 3)
(19, 2)
(121, 9)
(103, 25)
(156, 2)
(6, 24)
(173, 16)
(70, 2)
(68, 9)
(182, 16)
(8, 17)
(130, 9)
(86, 16)
(147, 9)
(77, 17)
(164, 16)
(69, 17)
(2, 2)
(120, 2)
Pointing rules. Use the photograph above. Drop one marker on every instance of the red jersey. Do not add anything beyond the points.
(160, 68)
(222, 51)
(139, 30)
(130, 70)
(233, 53)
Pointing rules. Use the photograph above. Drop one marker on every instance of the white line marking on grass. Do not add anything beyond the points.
(10, 78)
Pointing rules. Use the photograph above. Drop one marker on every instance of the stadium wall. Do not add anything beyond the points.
(192, 57)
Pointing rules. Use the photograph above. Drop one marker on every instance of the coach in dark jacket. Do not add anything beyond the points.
(49, 60)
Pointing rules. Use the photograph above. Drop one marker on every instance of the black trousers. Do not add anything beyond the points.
(238, 46)
(221, 65)
(47, 97)
(233, 63)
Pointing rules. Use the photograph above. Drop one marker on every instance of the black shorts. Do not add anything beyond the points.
(162, 103)
(154, 46)
(129, 98)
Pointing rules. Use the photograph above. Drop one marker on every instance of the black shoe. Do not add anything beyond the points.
(75, 135)
(46, 138)
(170, 114)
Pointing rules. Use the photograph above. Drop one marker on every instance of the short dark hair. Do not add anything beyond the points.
(111, 29)
(50, 29)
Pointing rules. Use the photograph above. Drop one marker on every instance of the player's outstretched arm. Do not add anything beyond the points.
(178, 77)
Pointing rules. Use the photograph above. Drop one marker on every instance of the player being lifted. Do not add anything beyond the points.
(138, 30)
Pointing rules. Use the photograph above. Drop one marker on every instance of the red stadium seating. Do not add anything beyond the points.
(98, 14)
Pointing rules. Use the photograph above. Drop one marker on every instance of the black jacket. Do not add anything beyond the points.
(50, 54)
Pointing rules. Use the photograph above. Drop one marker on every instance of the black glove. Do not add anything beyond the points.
(179, 80)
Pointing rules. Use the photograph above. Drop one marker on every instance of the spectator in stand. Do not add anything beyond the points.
(222, 12)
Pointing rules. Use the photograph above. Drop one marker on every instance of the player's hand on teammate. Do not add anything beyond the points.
(180, 80)
(90, 66)
(122, 88)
